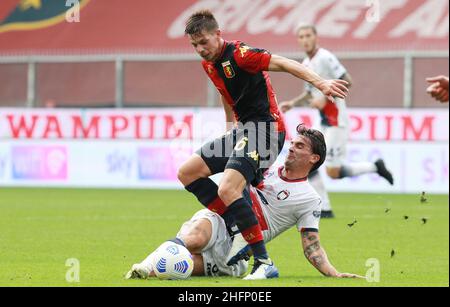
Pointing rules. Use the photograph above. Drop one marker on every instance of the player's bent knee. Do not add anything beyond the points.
(228, 193)
(184, 176)
(198, 236)
(192, 170)
(193, 243)
(231, 187)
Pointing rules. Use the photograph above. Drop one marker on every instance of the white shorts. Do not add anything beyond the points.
(336, 139)
(215, 252)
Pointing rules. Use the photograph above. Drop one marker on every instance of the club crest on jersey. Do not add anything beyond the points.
(283, 195)
(228, 70)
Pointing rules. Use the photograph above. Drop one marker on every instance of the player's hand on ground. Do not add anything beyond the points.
(439, 88)
(349, 275)
(286, 106)
(334, 88)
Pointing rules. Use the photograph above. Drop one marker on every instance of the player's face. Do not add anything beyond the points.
(207, 44)
(300, 154)
(307, 40)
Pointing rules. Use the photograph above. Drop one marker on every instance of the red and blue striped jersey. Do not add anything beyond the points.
(241, 77)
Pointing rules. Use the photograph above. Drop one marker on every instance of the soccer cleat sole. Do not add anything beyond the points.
(269, 274)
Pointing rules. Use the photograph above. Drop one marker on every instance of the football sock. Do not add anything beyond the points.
(249, 227)
(316, 181)
(206, 192)
(355, 169)
(204, 189)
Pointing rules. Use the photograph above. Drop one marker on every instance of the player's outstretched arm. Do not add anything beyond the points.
(330, 88)
(301, 100)
(317, 256)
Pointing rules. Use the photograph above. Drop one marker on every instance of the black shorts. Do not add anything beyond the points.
(250, 149)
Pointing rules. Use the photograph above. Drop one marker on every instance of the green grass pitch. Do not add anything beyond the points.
(109, 230)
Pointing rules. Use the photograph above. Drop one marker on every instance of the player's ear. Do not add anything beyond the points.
(314, 158)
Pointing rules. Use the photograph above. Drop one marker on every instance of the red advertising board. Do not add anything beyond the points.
(142, 26)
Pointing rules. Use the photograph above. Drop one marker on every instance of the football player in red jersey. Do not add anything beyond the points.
(257, 133)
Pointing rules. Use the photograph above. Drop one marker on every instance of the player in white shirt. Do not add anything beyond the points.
(335, 122)
(285, 199)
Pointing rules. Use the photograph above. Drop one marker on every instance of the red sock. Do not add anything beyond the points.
(217, 206)
(253, 234)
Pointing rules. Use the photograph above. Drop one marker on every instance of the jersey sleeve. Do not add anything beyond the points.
(311, 217)
(252, 60)
(335, 69)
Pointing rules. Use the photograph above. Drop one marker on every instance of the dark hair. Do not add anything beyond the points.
(199, 21)
(317, 143)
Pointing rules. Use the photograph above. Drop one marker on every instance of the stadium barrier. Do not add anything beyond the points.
(144, 148)
(179, 80)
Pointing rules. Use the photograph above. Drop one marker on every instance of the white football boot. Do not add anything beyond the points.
(263, 269)
(239, 250)
(138, 271)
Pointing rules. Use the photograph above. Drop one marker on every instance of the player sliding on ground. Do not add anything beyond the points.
(283, 200)
(239, 73)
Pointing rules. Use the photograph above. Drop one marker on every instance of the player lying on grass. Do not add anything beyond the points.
(283, 200)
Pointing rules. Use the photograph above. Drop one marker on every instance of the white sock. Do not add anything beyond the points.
(359, 168)
(148, 262)
(317, 183)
